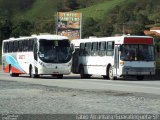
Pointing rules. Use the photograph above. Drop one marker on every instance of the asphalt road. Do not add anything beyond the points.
(72, 95)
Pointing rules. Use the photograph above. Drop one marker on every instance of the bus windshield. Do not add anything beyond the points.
(136, 52)
(54, 51)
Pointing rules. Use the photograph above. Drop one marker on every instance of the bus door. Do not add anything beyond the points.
(75, 61)
(116, 60)
(35, 50)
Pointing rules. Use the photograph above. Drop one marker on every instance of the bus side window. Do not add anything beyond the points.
(25, 47)
(110, 48)
(30, 44)
(102, 49)
(5, 48)
(15, 46)
(10, 46)
(81, 51)
(87, 49)
(94, 49)
(20, 46)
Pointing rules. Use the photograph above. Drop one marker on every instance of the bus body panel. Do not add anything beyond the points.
(94, 64)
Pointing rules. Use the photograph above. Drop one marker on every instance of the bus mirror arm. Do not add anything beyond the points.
(72, 48)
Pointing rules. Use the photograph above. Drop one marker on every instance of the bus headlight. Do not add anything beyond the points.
(121, 62)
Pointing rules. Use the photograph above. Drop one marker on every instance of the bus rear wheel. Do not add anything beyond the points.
(110, 73)
(82, 74)
(11, 73)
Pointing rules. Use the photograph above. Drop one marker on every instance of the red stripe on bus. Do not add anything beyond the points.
(138, 40)
(6, 69)
(14, 70)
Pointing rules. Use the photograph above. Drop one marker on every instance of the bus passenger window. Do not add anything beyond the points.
(102, 48)
(87, 49)
(94, 49)
(110, 48)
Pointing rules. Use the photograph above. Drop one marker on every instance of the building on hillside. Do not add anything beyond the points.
(154, 31)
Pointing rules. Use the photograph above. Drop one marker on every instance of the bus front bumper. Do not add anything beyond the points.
(138, 71)
(63, 69)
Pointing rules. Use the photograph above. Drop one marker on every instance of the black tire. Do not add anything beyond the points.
(107, 73)
(110, 73)
(32, 75)
(105, 76)
(82, 73)
(140, 77)
(11, 73)
(60, 76)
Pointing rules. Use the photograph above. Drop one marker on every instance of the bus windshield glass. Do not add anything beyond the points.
(136, 52)
(54, 51)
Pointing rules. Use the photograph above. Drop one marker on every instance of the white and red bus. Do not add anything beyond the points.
(113, 57)
(37, 55)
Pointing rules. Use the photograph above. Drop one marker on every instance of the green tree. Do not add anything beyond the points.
(89, 28)
(44, 25)
(71, 4)
(106, 28)
(5, 29)
(22, 28)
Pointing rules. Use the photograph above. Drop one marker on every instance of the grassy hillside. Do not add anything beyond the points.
(47, 8)
(41, 8)
(98, 11)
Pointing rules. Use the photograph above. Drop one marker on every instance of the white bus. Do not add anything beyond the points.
(37, 55)
(113, 57)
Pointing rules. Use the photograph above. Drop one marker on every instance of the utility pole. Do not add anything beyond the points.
(123, 28)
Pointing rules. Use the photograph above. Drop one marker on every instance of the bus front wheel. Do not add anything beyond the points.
(32, 75)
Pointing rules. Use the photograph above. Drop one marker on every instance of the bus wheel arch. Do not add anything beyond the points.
(11, 72)
(31, 73)
(107, 72)
(82, 73)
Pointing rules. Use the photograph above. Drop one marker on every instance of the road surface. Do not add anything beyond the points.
(72, 95)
